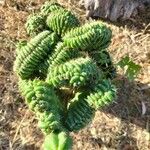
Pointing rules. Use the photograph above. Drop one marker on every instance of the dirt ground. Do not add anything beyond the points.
(125, 125)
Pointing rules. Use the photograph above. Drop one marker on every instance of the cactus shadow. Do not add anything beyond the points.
(132, 104)
(124, 143)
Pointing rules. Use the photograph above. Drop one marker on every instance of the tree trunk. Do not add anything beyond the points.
(114, 9)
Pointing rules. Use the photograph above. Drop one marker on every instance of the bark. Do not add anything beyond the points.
(114, 9)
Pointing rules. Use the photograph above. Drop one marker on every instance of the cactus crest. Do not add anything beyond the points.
(64, 72)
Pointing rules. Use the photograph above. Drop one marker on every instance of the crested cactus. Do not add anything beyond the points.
(60, 55)
(34, 53)
(79, 114)
(104, 61)
(64, 72)
(61, 21)
(20, 45)
(49, 7)
(74, 73)
(35, 24)
(88, 37)
(42, 100)
(102, 94)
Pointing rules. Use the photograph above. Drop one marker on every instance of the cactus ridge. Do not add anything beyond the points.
(60, 55)
(61, 21)
(82, 107)
(79, 114)
(34, 53)
(74, 72)
(35, 24)
(103, 94)
(104, 61)
(42, 100)
(49, 7)
(88, 36)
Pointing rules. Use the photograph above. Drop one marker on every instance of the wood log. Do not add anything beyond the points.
(114, 9)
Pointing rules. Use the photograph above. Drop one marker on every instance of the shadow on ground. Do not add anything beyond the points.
(120, 126)
(132, 103)
(132, 108)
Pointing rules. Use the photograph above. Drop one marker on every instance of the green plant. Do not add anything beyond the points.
(60, 21)
(64, 73)
(35, 24)
(88, 37)
(33, 53)
(59, 141)
(130, 69)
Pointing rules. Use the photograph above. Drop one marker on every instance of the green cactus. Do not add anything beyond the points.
(104, 61)
(41, 99)
(64, 72)
(79, 113)
(60, 55)
(57, 141)
(35, 24)
(33, 53)
(49, 7)
(102, 95)
(61, 21)
(82, 107)
(88, 37)
(74, 73)
(20, 45)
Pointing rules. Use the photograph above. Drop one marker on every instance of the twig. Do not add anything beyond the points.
(18, 128)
